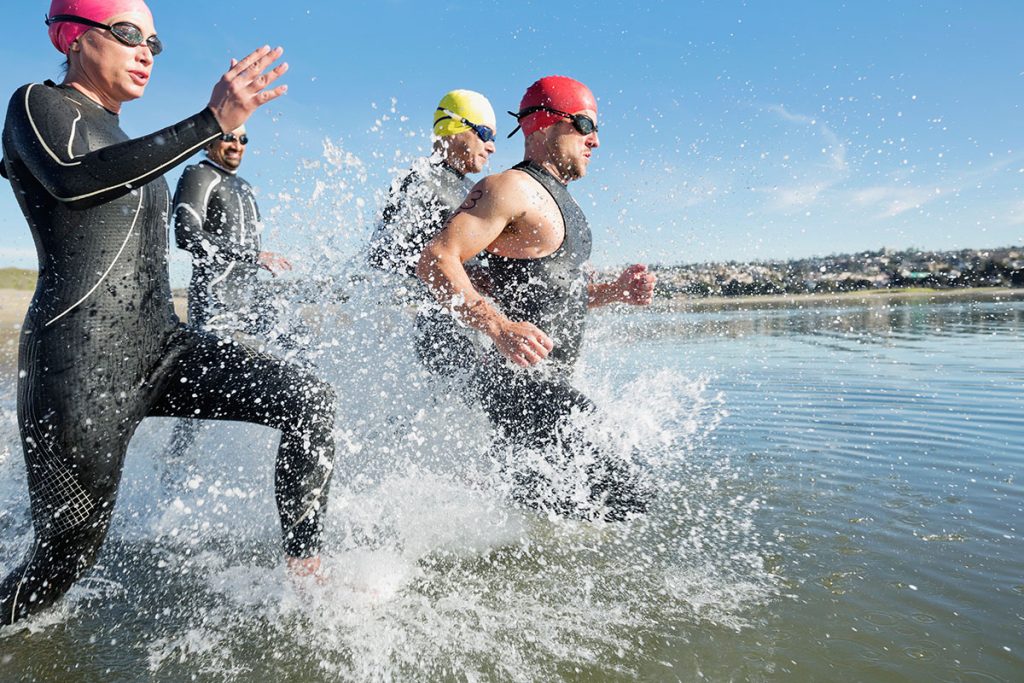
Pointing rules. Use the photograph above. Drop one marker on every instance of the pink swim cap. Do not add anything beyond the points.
(558, 92)
(63, 33)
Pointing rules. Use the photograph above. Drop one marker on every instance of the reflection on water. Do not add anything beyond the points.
(841, 499)
(873, 319)
(889, 442)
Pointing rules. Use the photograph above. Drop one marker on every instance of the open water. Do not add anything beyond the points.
(840, 498)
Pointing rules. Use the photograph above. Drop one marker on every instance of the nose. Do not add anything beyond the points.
(592, 140)
(144, 54)
(490, 147)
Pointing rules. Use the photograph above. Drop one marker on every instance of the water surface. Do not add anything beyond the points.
(841, 498)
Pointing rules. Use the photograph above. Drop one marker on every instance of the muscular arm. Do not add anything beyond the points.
(41, 122)
(602, 294)
(485, 214)
(477, 223)
(191, 202)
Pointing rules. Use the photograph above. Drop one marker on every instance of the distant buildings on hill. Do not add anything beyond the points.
(884, 269)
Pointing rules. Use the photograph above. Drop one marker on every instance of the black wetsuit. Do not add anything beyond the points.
(530, 407)
(418, 207)
(217, 221)
(101, 347)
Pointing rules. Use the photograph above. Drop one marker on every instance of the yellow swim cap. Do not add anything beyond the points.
(467, 104)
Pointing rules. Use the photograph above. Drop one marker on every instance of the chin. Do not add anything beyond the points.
(133, 92)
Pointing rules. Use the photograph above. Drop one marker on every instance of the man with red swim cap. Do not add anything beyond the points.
(537, 242)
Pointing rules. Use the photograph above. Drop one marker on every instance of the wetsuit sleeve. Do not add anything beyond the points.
(256, 238)
(191, 203)
(42, 123)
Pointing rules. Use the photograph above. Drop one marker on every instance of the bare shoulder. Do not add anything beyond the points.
(505, 193)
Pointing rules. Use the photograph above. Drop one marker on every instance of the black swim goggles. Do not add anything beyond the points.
(243, 139)
(583, 124)
(483, 132)
(125, 31)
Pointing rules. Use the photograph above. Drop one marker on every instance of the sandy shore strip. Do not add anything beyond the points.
(14, 303)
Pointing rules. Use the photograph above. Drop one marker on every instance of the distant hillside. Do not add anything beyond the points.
(17, 278)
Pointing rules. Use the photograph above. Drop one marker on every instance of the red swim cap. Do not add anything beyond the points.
(63, 33)
(558, 92)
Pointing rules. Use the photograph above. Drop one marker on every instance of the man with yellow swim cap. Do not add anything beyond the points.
(422, 199)
(420, 203)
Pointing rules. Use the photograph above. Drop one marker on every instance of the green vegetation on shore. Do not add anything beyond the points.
(17, 278)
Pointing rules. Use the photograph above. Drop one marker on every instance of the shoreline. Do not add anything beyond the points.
(685, 304)
(14, 302)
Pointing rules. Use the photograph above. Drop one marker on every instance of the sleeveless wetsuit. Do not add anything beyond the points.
(419, 206)
(101, 347)
(528, 406)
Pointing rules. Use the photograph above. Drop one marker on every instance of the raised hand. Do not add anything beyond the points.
(243, 88)
(275, 263)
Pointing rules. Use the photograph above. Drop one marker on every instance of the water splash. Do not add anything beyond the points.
(430, 570)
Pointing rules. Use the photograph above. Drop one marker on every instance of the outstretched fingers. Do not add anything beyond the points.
(254, 69)
(240, 65)
(268, 95)
(247, 86)
(263, 80)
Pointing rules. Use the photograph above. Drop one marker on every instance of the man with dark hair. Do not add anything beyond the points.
(217, 220)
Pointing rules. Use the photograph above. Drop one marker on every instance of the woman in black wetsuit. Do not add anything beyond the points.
(101, 347)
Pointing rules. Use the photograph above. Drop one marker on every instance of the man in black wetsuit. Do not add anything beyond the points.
(420, 203)
(217, 220)
(101, 347)
(538, 243)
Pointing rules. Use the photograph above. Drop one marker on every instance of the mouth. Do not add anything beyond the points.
(139, 77)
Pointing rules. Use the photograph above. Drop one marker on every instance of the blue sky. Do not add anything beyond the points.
(729, 130)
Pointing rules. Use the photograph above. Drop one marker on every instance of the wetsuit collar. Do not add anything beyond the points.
(541, 168)
(449, 167)
(437, 159)
(79, 95)
(213, 163)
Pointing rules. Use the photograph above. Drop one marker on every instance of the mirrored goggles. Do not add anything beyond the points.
(583, 124)
(125, 31)
(482, 132)
(243, 139)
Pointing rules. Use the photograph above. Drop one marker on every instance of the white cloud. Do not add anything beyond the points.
(892, 201)
(835, 147)
(798, 196)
